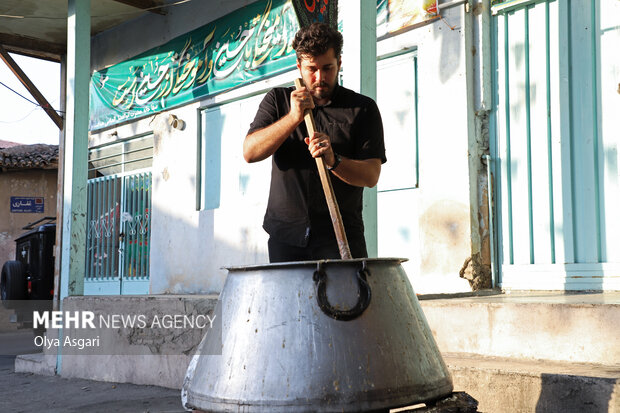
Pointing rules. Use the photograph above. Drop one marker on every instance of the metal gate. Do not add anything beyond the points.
(117, 251)
(557, 143)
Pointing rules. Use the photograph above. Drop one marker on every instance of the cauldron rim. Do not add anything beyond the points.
(288, 264)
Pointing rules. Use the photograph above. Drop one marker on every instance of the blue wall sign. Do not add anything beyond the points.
(27, 204)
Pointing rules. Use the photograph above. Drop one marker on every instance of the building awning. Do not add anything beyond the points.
(39, 28)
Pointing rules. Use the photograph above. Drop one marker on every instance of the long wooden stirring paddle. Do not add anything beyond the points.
(332, 204)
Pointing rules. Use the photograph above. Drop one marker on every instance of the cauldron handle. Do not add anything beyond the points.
(363, 300)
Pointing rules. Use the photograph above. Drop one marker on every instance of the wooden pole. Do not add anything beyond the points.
(332, 203)
(30, 87)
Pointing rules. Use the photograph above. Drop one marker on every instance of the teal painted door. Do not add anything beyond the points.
(557, 109)
(118, 235)
(118, 218)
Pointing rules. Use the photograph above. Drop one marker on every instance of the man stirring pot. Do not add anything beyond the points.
(350, 142)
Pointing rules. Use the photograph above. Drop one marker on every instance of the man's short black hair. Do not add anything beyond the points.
(316, 40)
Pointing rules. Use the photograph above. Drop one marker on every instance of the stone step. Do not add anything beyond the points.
(503, 385)
(499, 385)
(36, 363)
(6, 323)
(580, 328)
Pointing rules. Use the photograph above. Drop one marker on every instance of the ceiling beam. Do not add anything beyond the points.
(33, 53)
(38, 96)
(150, 5)
(32, 47)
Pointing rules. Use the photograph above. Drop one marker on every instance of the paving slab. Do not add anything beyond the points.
(504, 385)
(27, 392)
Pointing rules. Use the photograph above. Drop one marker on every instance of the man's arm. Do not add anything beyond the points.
(264, 142)
(358, 172)
(364, 172)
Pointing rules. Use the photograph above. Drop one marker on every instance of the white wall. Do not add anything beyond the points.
(189, 247)
(430, 225)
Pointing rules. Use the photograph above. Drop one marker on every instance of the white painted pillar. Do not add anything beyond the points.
(359, 67)
(76, 149)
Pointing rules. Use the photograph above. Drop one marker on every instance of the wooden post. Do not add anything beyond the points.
(38, 96)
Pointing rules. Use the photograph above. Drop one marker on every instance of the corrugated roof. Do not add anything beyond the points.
(29, 156)
(8, 144)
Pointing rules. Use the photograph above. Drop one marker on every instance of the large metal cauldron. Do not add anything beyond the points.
(318, 336)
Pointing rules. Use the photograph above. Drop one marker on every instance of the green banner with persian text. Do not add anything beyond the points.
(242, 47)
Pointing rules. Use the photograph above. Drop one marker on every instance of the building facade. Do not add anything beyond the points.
(207, 204)
(521, 92)
(28, 191)
(500, 125)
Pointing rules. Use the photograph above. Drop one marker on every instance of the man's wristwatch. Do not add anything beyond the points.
(337, 160)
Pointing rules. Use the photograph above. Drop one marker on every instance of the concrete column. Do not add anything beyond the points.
(478, 268)
(76, 149)
(61, 182)
(359, 66)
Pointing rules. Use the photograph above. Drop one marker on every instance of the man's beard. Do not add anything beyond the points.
(324, 93)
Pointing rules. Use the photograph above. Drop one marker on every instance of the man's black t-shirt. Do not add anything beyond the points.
(297, 209)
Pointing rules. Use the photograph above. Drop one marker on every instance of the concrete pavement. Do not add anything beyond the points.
(26, 392)
(522, 352)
